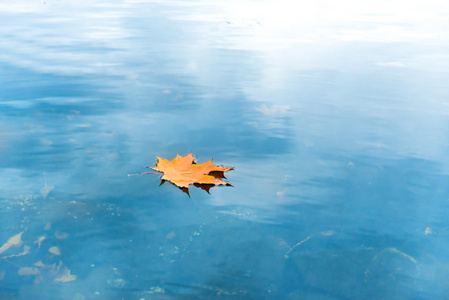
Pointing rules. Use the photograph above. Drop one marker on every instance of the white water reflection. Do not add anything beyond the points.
(290, 52)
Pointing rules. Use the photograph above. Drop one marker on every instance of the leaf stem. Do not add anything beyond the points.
(144, 173)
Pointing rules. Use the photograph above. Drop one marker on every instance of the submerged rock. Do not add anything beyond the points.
(364, 273)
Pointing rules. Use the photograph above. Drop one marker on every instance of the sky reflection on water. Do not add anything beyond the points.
(333, 114)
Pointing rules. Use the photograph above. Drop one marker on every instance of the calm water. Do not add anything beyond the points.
(334, 115)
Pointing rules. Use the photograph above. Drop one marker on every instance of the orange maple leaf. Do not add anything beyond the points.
(183, 171)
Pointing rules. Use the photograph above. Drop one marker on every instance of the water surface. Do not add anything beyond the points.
(334, 116)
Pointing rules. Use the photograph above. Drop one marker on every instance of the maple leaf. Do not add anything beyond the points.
(183, 171)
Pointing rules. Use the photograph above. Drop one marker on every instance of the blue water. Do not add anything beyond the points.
(334, 115)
